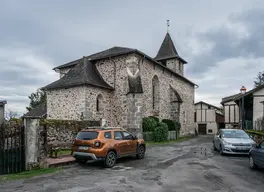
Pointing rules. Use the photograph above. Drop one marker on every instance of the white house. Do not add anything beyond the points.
(208, 118)
(253, 108)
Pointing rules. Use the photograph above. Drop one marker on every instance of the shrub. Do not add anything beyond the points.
(148, 124)
(170, 124)
(155, 118)
(161, 132)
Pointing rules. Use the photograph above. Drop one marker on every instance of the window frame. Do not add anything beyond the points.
(111, 136)
(128, 134)
(121, 135)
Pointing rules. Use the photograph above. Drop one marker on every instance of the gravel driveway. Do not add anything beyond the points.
(187, 166)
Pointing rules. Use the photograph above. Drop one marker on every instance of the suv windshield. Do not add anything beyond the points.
(235, 134)
(87, 135)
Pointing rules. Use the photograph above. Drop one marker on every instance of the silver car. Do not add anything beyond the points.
(232, 141)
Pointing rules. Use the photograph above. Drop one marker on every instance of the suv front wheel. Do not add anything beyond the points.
(141, 152)
(110, 159)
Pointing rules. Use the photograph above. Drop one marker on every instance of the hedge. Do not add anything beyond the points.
(155, 118)
(161, 132)
(261, 133)
(172, 125)
(149, 124)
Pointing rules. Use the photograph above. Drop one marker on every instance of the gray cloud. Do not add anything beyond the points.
(241, 36)
(36, 36)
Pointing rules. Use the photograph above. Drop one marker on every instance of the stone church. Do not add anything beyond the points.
(122, 85)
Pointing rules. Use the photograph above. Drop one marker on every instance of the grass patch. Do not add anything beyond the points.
(28, 174)
(149, 143)
(261, 133)
(64, 152)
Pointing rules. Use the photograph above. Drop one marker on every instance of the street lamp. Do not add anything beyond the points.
(242, 91)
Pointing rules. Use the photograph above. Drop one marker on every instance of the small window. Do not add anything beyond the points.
(118, 135)
(195, 116)
(210, 131)
(127, 136)
(87, 135)
(108, 135)
(209, 107)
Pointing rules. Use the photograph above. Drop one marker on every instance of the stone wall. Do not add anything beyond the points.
(71, 103)
(176, 66)
(66, 104)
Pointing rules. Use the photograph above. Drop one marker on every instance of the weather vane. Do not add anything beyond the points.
(168, 25)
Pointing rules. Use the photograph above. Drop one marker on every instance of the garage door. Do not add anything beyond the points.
(202, 129)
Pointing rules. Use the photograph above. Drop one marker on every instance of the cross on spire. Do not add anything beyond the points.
(168, 25)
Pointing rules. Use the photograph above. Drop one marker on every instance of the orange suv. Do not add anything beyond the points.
(106, 145)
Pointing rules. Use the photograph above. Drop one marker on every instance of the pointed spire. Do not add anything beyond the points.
(167, 49)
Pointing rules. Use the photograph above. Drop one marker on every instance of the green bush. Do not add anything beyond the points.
(161, 132)
(170, 124)
(155, 118)
(148, 124)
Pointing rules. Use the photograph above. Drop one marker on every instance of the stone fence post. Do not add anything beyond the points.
(35, 141)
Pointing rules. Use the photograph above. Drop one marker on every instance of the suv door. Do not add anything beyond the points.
(132, 143)
(121, 144)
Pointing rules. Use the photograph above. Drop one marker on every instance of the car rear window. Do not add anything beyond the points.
(87, 135)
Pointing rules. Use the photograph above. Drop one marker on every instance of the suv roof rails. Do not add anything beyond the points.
(106, 128)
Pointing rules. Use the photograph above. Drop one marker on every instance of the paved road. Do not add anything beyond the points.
(190, 166)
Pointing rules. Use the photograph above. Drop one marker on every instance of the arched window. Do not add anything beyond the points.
(99, 103)
(155, 93)
(175, 104)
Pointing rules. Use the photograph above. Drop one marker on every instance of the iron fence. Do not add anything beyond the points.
(12, 149)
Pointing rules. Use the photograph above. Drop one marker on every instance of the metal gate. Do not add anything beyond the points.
(12, 149)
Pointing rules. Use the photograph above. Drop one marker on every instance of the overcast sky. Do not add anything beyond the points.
(223, 41)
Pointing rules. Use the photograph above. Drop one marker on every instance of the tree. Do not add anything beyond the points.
(259, 80)
(36, 98)
(11, 114)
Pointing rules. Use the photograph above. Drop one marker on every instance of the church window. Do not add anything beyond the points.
(155, 93)
(99, 102)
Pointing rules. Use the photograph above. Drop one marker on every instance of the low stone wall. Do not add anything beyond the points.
(64, 131)
(41, 132)
(173, 135)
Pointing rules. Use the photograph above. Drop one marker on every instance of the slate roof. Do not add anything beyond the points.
(207, 104)
(2, 102)
(167, 50)
(249, 92)
(84, 73)
(114, 51)
(39, 111)
(229, 98)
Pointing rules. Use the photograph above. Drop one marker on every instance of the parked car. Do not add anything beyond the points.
(232, 141)
(106, 145)
(256, 156)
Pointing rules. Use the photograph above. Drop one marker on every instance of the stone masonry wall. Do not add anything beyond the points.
(176, 66)
(71, 103)
(147, 71)
(66, 104)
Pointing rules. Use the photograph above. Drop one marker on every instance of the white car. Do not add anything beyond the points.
(232, 141)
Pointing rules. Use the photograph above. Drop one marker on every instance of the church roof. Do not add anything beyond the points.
(114, 51)
(83, 73)
(39, 111)
(117, 51)
(167, 50)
